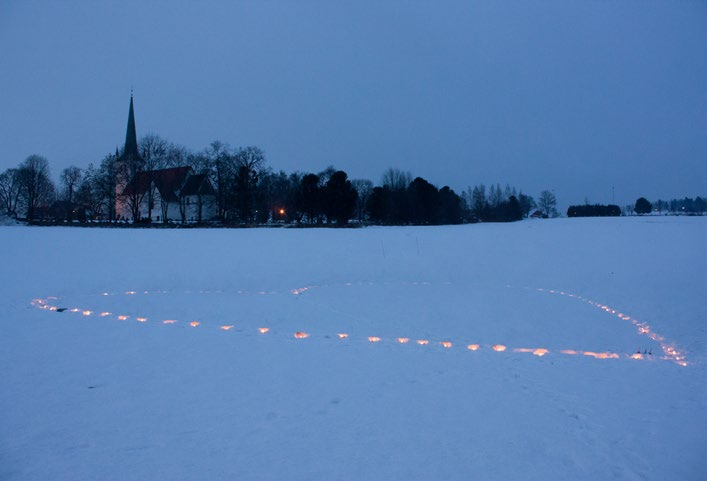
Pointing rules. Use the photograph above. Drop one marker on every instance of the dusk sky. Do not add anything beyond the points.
(572, 96)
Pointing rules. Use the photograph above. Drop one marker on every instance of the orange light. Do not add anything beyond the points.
(446, 344)
(637, 355)
(374, 339)
(540, 352)
(123, 318)
(141, 319)
(499, 347)
(87, 313)
(282, 211)
(473, 347)
(342, 335)
(104, 314)
(403, 340)
(301, 335)
(423, 342)
(226, 328)
(601, 355)
(263, 330)
(194, 323)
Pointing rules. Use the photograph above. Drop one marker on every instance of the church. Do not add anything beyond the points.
(177, 194)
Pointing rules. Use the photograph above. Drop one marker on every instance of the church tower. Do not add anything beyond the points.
(128, 164)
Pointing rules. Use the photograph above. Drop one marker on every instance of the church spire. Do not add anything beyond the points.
(131, 134)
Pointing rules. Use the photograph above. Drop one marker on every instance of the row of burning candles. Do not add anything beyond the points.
(44, 304)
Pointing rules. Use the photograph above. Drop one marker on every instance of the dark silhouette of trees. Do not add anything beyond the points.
(309, 200)
(547, 203)
(70, 180)
(36, 187)
(642, 206)
(364, 189)
(596, 210)
(339, 198)
(10, 191)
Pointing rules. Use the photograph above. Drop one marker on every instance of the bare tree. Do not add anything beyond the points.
(70, 179)
(396, 179)
(363, 187)
(547, 203)
(155, 153)
(10, 191)
(36, 186)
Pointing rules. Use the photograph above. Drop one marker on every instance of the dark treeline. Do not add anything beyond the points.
(234, 186)
(596, 210)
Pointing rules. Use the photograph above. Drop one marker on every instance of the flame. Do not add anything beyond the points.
(123, 318)
(342, 335)
(499, 347)
(446, 344)
(169, 321)
(301, 335)
(262, 330)
(374, 339)
(423, 342)
(403, 340)
(226, 328)
(601, 355)
(473, 347)
(194, 323)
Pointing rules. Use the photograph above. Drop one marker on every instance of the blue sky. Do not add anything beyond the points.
(573, 96)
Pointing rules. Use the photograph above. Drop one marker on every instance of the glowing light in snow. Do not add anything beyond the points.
(446, 344)
(87, 313)
(499, 347)
(473, 347)
(637, 355)
(123, 318)
(263, 330)
(169, 321)
(374, 339)
(301, 335)
(141, 319)
(403, 340)
(226, 328)
(105, 314)
(423, 342)
(194, 323)
(130, 293)
(540, 352)
(342, 335)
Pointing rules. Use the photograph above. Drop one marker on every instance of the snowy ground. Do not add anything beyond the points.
(91, 397)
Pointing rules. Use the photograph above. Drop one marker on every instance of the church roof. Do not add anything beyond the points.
(198, 184)
(167, 181)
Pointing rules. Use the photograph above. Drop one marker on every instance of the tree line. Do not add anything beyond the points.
(248, 192)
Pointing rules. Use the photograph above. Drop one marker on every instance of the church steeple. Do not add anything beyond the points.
(131, 149)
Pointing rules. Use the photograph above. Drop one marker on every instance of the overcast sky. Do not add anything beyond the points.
(573, 96)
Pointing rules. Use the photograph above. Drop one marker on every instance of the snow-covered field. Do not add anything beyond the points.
(87, 396)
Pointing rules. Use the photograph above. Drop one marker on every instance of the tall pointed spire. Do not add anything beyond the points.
(131, 149)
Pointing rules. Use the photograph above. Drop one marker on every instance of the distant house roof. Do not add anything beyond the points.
(198, 184)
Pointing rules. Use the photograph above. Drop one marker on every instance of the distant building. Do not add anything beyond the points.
(176, 194)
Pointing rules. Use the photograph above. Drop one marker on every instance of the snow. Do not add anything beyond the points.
(86, 397)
